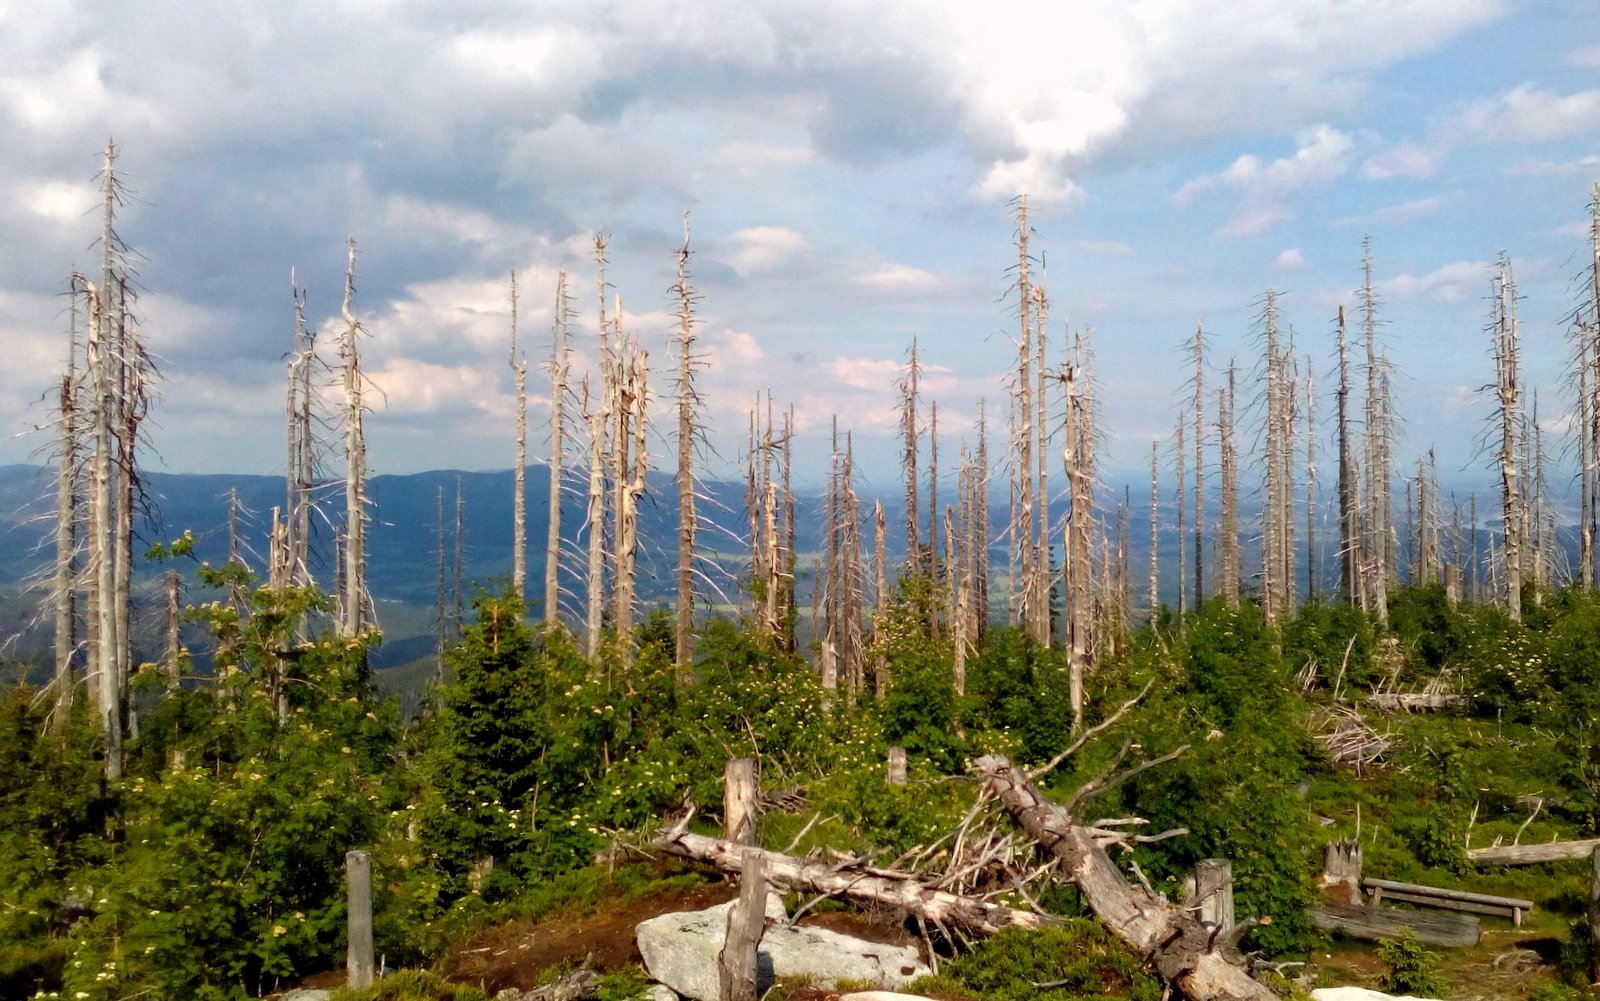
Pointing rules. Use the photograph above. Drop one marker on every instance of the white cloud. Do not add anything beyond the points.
(1588, 57)
(1263, 188)
(1292, 259)
(1525, 114)
(1455, 282)
(903, 279)
(1407, 160)
(763, 249)
(1417, 208)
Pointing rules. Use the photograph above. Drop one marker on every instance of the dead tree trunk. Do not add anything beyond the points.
(1179, 946)
(1378, 551)
(355, 451)
(1349, 503)
(1508, 397)
(560, 367)
(910, 445)
(857, 881)
(1022, 528)
(595, 523)
(683, 629)
(1228, 560)
(1155, 532)
(64, 590)
(1198, 350)
(747, 921)
(1181, 461)
(519, 492)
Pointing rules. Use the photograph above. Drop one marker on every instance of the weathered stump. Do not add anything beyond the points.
(739, 796)
(747, 922)
(358, 956)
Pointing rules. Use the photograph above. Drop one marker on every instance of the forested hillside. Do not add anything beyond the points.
(1083, 720)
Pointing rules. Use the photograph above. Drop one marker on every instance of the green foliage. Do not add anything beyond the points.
(1079, 959)
(411, 985)
(1412, 967)
(1232, 701)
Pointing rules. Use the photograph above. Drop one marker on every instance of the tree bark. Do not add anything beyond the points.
(560, 367)
(747, 921)
(858, 882)
(683, 627)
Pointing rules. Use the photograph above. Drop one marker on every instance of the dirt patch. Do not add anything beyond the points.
(515, 954)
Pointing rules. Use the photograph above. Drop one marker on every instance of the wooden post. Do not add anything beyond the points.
(747, 921)
(739, 800)
(1213, 878)
(1594, 917)
(358, 958)
(897, 766)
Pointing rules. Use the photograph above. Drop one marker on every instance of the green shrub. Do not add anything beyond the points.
(1412, 967)
(411, 985)
(1078, 960)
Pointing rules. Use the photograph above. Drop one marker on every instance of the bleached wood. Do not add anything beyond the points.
(854, 882)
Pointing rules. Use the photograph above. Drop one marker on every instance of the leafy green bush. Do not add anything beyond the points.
(1078, 960)
(1412, 967)
(411, 985)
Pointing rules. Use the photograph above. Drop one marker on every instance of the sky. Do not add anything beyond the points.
(848, 171)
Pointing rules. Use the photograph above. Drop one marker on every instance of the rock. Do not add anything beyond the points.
(660, 992)
(1357, 994)
(680, 950)
(306, 994)
(882, 996)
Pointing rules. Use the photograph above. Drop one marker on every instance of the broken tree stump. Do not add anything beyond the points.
(1594, 917)
(359, 952)
(897, 766)
(747, 922)
(1213, 891)
(739, 796)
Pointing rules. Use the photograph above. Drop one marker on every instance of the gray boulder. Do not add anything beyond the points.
(680, 951)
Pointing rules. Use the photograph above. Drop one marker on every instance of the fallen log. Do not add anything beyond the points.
(1550, 851)
(1454, 931)
(1181, 948)
(1392, 702)
(853, 880)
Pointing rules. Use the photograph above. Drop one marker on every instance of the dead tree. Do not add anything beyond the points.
(1155, 531)
(519, 493)
(1181, 461)
(1183, 950)
(354, 622)
(980, 542)
(910, 445)
(1350, 538)
(688, 431)
(64, 590)
(301, 465)
(1311, 484)
(1379, 548)
(595, 522)
(1197, 349)
(1022, 529)
(1043, 571)
(1229, 563)
(560, 368)
(1503, 332)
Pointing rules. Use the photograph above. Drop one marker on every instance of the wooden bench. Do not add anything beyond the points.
(1449, 900)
